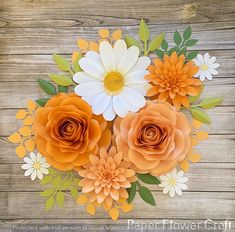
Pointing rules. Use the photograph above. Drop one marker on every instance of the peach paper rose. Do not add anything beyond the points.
(66, 132)
(155, 139)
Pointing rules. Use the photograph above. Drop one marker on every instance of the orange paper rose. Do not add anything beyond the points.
(155, 139)
(66, 131)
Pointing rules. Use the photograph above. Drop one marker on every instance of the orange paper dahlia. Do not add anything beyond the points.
(106, 178)
(172, 80)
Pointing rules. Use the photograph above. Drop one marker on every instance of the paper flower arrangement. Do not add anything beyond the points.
(116, 121)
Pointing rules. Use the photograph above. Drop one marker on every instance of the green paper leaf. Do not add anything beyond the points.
(190, 42)
(200, 115)
(187, 33)
(164, 45)
(148, 179)
(66, 184)
(207, 103)
(62, 89)
(61, 62)
(144, 31)
(56, 181)
(60, 198)
(183, 51)
(42, 101)
(177, 38)
(131, 192)
(61, 79)
(146, 195)
(50, 203)
(47, 193)
(76, 65)
(46, 180)
(174, 49)
(160, 53)
(156, 42)
(74, 192)
(47, 87)
(130, 41)
(191, 55)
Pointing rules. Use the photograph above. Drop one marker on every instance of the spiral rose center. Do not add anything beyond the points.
(113, 82)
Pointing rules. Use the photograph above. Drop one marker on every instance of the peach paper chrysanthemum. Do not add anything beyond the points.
(172, 80)
(106, 178)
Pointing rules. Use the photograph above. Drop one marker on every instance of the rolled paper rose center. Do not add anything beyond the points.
(113, 82)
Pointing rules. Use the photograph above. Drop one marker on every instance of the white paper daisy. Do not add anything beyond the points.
(35, 166)
(206, 66)
(173, 183)
(113, 82)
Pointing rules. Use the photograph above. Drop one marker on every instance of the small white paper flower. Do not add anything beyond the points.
(173, 183)
(206, 66)
(35, 166)
(113, 82)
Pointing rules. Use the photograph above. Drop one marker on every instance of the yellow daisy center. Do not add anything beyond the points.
(172, 182)
(36, 165)
(204, 67)
(114, 82)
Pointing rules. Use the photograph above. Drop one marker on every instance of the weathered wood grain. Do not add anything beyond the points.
(19, 13)
(63, 40)
(215, 149)
(218, 177)
(16, 94)
(32, 67)
(192, 205)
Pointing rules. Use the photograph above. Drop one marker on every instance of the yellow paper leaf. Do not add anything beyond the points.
(82, 44)
(25, 131)
(14, 138)
(106, 206)
(28, 121)
(82, 199)
(21, 114)
(31, 105)
(90, 209)
(74, 56)
(21, 151)
(30, 145)
(104, 33)
(94, 46)
(121, 200)
(202, 135)
(117, 35)
(126, 207)
(184, 165)
(114, 214)
(195, 158)
(194, 141)
(196, 124)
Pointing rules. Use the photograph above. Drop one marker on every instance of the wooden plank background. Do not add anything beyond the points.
(31, 30)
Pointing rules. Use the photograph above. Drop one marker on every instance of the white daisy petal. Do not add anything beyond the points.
(120, 105)
(134, 97)
(136, 77)
(213, 71)
(182, 180)
(39, 157)
(164, 184)
(173, 173)
(83, 77)
(202, 76)
(92, 68)
(197, 62)
(182, 186)
(90, 99)
(107, 56)
(89, 88)
(172, 191)
(29, 172)
(206, 58)
(100, 103)
(45, 165)
(208, 75)
(179, 175)
(211, 60)
(200, 58)
(215, 65)
(128, 60)
(164, 178)
(26, 166)
(141, 64)
(39, 175)
(33, 157)
(34, 175)
(198, 74)
(120, 50)
(28, 160)
(141, 88)
(93, 56)
(166, 189)
(178, 190)
(44, 170)
(109, 114)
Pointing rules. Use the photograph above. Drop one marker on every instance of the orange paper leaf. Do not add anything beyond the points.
(30, 145)
(31, 105)
(25, 131)
(14, 138)
(20, 151)
(21, 114)
(184, 165)
(104, 33)
(28, 121)
(82, 199)
(114, 214)
(202, 135)
(90, 209)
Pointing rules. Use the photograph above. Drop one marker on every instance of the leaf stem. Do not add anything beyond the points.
(145, 48)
